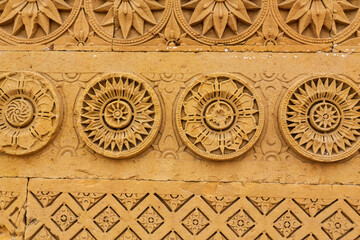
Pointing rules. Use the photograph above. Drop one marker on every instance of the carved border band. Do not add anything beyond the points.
(186, 23)
(218, 116)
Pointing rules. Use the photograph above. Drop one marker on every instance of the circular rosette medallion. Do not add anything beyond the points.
(119, 115)
(36, 21)
(320, 118)
(29, 112)
(127, 21)
(220, 21)
(219, 116)
(318, 21)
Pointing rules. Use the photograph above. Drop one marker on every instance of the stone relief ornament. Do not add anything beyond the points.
(36, 21)
(118, 115)
(30, 112)
(316, 21)
(127, 21)
(219, 116)
(220, 21)
(320, 118)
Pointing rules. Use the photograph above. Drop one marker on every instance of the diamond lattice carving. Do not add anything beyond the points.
(64, 217)
(196, 221)
(107, 219)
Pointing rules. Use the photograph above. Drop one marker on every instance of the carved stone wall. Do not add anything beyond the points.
(207, 145)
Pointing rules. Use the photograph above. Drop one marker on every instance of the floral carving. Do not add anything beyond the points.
(6, 199)
(313, 206)
(87, 200)
(130, 200)
(318, 19)
(240, 223)
(106, 219)
(218, 21)
(46, 198)
(219, 14)
(195, 222)
(219, 203)
(35, 19)
(219, 116)
(265, 204)
(30, 112)
(150, 220)
(119, 115)
(337, 225)
(64, 217)
(320, 118)
(138, 20)
(287, 224)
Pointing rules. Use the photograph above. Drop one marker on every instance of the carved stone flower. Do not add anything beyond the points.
(129, 14)
(317, 15)
(29, 112)
(219, 117)
(32, 13)
(321, 119)
(119, 115)
(218, 14)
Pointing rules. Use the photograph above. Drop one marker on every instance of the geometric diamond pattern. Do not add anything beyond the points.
(43, 234)
(98, 215)
(128, 234)
(337, 225)
(106, 219)
(287, 224)
(64, 217)
(150, 220)
(240, 223)
(265, 204)
(84, 234)
(219, 204)
(313, 206)
(195, 222)
(87, 200)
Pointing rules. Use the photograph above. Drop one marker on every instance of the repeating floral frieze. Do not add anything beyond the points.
(154, 24)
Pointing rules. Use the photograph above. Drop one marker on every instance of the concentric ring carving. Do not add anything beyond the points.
(119, 115)
(317, 21)
(128, 21)
(219, 116)
(36, 21)
(220, 21)
(30, 112)
(320, 118)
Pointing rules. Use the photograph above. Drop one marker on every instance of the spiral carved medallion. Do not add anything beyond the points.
(119, 115)
(30, 112)
(219, 116)
(320, 118)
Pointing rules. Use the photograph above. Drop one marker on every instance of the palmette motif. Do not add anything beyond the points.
(320, 118)
(137, 20)
(30, 112)
(119, 115)
(36, 21)
(220, 21)
(219, 116)
(318, 21)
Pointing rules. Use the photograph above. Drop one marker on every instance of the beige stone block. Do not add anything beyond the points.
(13, 196)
